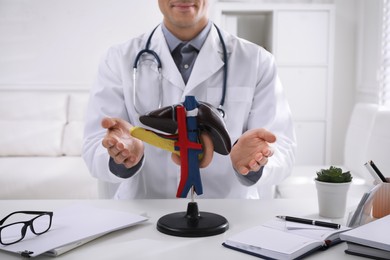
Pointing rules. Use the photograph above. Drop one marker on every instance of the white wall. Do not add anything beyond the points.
(357, 59)
(369, 49)
(344, 93)
(59, 42)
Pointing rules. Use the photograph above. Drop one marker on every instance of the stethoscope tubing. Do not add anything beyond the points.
(147, 50)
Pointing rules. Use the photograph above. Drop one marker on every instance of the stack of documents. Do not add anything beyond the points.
(370, 240)
(72, 227)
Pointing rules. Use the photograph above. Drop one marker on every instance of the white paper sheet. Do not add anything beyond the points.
(74, 224)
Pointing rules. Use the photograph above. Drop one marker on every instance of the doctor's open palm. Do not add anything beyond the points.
(127, 150)
(121, 146)
(252, 150)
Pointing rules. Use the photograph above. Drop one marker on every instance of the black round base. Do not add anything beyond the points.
(192, 223)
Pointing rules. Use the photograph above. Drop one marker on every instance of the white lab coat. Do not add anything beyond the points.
(254, 99)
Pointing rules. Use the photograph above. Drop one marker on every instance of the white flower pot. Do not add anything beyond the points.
(332, 198)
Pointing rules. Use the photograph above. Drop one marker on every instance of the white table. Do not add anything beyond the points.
(144, 241)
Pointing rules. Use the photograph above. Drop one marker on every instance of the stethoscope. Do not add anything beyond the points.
(159, 67)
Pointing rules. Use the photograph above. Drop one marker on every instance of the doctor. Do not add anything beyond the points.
(187, 56)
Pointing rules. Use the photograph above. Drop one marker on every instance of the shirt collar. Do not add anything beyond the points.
(197, 42)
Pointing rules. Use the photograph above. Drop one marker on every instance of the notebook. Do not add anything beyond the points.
(374, 234)
(366, 251)
(72, 227)
(279, 239)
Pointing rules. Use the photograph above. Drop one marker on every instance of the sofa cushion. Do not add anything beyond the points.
(30, 138)
(73, 138)
(74, 129)
(77, 106)
(31, 124)
(63, 177)
(33, 106)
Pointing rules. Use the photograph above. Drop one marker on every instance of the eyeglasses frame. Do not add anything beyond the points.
(28, 223)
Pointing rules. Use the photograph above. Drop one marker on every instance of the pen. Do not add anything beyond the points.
(377, 171)
(372, 172)
(310, 222)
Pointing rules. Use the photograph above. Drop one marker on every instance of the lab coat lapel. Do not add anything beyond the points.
(208, 62)
(169, 70)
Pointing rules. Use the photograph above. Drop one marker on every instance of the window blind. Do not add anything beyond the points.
(384, 93)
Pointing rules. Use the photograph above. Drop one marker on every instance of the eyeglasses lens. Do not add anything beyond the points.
(41, 224)
(12, 233)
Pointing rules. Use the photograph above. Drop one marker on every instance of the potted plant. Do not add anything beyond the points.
(332, 188)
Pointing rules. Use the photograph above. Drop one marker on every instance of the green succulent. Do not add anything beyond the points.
(333, 175)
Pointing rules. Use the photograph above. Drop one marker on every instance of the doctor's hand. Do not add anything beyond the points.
(252, 150)
(121, 146)
(208, 151)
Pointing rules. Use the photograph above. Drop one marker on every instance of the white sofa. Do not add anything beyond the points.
(40, 146)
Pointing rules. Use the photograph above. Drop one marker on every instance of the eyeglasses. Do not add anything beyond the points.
(14, 232)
